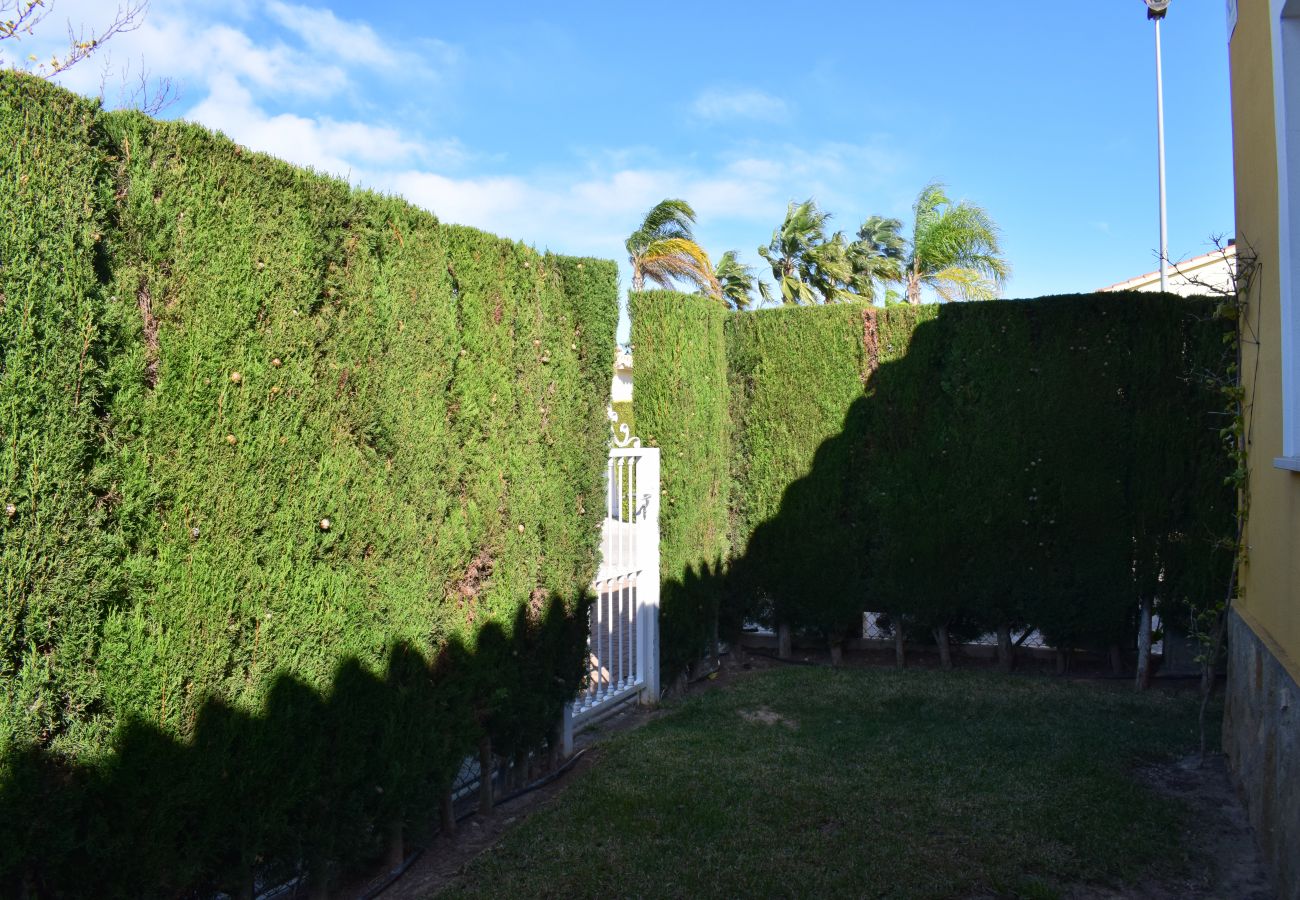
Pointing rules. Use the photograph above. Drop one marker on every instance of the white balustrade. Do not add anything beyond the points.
(623, 641)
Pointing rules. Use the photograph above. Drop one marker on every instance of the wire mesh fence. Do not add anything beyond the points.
(879, 627)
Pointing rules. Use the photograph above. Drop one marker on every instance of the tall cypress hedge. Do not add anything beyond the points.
(1044, 463)
(680, 401)
(305, 494)
(1051, 462)
(799, 527)
(60, 553)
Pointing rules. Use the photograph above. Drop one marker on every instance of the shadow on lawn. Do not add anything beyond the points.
(318, 782)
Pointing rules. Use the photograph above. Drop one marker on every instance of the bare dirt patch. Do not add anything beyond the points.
(1226, 864)
(1219, 835)
(765, 716)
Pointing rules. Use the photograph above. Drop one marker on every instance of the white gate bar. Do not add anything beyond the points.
(648, 580)
(623, 637)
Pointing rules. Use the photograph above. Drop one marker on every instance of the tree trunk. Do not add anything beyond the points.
(945, 651)
(521, 769)
(1210, 663)
(1142, 680)
(1006, 653)
(1062, 660)
(447, 813)
(485, 775)
(638, 281)
(737, 654)
(837, 653)
(556, 743)
(1210, 666)
(681, 683)
(900, 646)
(1116, 660)
(784, 644)
(914, 285)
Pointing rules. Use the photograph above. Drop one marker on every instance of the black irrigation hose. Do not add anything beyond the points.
(397, 873)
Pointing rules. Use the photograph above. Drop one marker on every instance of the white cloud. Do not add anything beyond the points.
(723, 105)
(224, 50)
(322, 143)
(349, 42)
(293, 80)
(592, 208)
(193, 46)
(291, 93)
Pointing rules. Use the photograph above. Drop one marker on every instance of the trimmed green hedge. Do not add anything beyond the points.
(680, 401)
(208, 353)
(798, 531)
(1050, 463)
(1040, 463)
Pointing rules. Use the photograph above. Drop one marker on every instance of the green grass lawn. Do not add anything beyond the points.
(864, 783)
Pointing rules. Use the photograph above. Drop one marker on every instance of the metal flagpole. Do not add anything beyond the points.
(1160, 141)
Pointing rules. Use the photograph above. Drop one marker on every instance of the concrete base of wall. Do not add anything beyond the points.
(1261, 736)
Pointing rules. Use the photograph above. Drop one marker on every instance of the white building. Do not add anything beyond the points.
(1209, 273)
(621, 390)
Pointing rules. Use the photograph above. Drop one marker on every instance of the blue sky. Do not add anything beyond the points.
(561, 124)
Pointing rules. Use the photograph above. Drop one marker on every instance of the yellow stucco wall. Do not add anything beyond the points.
(1270, 596)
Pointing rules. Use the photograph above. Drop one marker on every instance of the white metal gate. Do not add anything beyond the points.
(623, 640)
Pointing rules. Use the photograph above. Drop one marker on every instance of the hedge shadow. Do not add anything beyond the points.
(315, 783)
(1038, 464)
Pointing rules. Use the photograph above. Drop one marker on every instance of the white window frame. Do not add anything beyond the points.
(1285, 29)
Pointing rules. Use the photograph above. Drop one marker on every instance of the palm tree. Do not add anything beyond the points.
(663, 250)
(877, 256)
(805, 264)
(830, 270)
(955, 250)
(735, 281)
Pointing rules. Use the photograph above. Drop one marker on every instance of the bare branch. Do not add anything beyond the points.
(141, 92)
(19, 19)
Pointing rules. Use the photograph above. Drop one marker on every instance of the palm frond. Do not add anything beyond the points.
(956, 248)
(735, 280)
(681, 259)
(675, 216)
(804, 262)
(961, 283)
(877, 255)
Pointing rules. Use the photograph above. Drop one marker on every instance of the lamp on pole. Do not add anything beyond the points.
(1156, 10)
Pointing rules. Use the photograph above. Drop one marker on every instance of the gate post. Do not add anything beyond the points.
(566, 731)
(648, 579)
